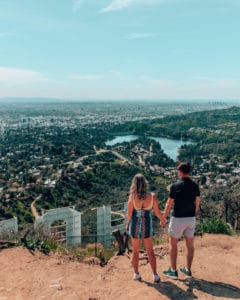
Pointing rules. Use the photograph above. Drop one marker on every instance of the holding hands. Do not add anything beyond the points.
(163, 221)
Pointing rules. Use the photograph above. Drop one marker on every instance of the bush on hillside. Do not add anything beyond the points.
(213, 226)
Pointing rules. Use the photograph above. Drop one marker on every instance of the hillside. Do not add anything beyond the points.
(60, 152)
(216, 275)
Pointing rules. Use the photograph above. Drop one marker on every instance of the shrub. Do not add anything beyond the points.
(213, 226)
(44, 245)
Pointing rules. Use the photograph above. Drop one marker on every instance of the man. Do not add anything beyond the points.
(184, 197)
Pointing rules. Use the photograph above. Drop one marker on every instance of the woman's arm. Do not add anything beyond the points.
(157, 211)
(129, 212)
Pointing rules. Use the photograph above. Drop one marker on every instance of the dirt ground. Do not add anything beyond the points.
(216, 271)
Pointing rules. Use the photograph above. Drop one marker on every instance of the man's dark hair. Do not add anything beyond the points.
(185, 167)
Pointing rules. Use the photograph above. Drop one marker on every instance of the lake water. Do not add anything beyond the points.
(169, 146)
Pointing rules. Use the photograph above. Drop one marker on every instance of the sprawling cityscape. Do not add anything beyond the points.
(59, 150)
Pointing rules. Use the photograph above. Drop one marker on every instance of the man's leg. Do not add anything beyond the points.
(174, 231)
(190, 251)
(173, 252)
(172, 272)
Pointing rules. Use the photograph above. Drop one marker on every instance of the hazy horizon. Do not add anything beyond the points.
(140, 101)
(164, 101)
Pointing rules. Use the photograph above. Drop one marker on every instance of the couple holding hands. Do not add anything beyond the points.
(184, 198)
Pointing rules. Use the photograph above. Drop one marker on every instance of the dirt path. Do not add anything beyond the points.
(216, 271)
(34, 210)
(118, 155)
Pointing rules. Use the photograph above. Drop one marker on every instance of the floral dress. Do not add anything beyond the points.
(141, 221)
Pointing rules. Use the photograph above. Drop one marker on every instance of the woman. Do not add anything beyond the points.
(141, 203)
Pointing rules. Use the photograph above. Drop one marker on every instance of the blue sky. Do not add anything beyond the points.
(120, 49)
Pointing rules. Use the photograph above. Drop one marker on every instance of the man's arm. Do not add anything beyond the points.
(157, 211)
(197, 204)
(168, 206)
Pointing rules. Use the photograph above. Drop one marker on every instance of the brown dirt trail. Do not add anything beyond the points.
(216, 271)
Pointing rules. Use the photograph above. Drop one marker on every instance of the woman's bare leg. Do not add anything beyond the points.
(135, 253)
(151, 256)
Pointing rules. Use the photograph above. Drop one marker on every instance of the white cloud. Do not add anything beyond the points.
(118, 5)
(115, 72)
(76, 4)
(123, 4)
(192, 88)
(85, 77)
(218, 83)
(3, 34)
(141, 35)
(14, 76)
(160, 83)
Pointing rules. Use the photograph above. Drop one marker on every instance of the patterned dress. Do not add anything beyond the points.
(141, 222)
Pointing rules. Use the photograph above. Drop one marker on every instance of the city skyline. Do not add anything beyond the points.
(120, 49)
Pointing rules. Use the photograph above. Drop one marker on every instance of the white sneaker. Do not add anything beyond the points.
(156, 278)
(137, 276)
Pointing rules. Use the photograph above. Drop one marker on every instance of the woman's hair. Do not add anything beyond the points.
(139, 186)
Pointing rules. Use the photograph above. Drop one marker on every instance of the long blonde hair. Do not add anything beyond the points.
(139, 186)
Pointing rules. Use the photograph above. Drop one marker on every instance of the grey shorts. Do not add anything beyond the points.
(182, 226)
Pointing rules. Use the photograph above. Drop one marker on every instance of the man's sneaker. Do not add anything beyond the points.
(137, 276)
(156, 278)
(186, 272)
(170, 273)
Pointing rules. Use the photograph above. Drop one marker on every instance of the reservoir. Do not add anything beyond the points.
(169, 146)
